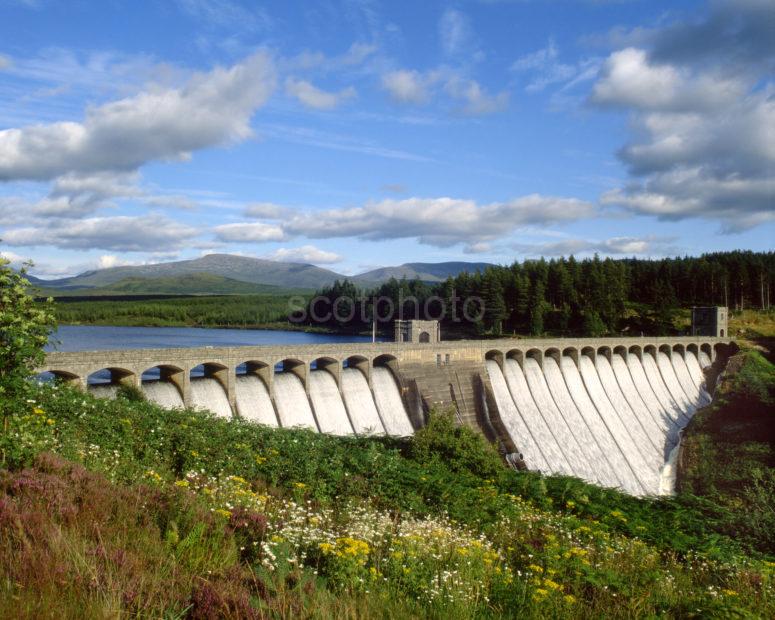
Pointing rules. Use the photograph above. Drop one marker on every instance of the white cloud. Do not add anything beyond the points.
(313, 97)
(739, 203)
(614, 246)
(357, 54)
(249, 233)
(439, 222)
(700, 94)
(408, 86)
(304, 254)
(5, 62)
(226, 13)
(118, 234)
(454, 32)
(16, 260)
(158, 124)
(477, 101)
(629, 78)
(545, 69)
(266, 210)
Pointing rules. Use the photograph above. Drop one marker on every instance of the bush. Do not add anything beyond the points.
(24, 331)
(459, 448)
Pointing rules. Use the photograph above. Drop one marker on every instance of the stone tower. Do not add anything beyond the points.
(417, 331)
(711, 321)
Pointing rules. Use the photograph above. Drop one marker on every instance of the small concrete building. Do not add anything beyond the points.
(417, 332)
(710, 321)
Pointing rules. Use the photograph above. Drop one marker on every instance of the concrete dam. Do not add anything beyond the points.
(608, 411)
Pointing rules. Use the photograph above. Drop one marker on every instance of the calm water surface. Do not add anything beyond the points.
(99, 338)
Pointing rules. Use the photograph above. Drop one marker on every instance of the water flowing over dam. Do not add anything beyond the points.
(603, 421)
(608, 410)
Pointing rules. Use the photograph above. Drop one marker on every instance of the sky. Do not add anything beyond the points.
(354, 134)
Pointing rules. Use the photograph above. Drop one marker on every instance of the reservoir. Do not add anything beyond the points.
(101, 337)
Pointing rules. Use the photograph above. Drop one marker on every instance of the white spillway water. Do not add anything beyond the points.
(103, 390)
(389, 403)
(684, 379)
(327, 403)
(253, 400)
(512, 420)
(658, 403)
(541, 433)
(653, 431)
(207, 393)
(542, 397)
(648, 449)
(670, 470)
(695, 372)
(671, 381)
(704, 360)
(671, 407)
(293, 408)
(597, 465)
(624, 474)
(163, 393)
(360, 403)
(647, 476)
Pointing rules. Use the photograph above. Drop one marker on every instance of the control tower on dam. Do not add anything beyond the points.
(608, 410)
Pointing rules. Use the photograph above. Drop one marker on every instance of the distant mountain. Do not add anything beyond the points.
(188, 284)
(427, 272)
(229, 274)
(239, 268)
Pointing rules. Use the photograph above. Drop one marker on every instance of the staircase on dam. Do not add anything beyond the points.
(609, 411)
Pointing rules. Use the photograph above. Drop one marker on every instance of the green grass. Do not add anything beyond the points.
(228, 516)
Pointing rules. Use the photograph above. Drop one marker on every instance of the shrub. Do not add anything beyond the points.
(24, 331)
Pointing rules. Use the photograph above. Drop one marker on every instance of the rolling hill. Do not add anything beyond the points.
(427, 272)
(230, 274)
(188, 284)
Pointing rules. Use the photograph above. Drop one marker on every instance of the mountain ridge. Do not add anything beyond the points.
(241, 269)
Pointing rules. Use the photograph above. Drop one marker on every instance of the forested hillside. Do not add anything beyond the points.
(589, 297)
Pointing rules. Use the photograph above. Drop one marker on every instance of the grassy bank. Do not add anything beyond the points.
(169, 514)
(728, 452)
(240, 311)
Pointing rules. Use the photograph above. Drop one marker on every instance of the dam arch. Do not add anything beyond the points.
(554, 353)
(166, 385)
(590, 352)
(295, 366)
(359, 362)
(116, 376)
(637, 351)
(605, 352)
(329, 365)
(573, 353)
(518, 355)
(537, 355)
(63, 376)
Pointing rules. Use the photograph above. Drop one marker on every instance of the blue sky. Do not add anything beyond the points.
(354, 134)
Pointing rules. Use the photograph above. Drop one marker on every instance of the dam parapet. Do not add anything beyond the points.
(607, 410)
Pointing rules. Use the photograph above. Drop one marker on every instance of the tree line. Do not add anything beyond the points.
(564, 296)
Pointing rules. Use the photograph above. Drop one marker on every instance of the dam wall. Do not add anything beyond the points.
(607, 410)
